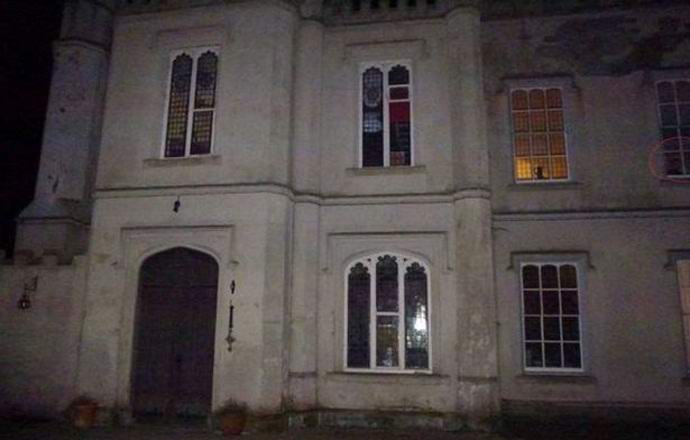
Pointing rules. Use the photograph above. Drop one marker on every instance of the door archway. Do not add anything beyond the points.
(174, 335)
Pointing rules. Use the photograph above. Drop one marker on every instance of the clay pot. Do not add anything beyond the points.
(232, 423)
(85, 415)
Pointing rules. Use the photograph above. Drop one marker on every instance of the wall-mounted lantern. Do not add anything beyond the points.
(30, 286)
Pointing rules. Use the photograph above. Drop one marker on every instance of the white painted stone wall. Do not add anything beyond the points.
(39, 345)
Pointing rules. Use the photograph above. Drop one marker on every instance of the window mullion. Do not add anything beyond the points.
(372, 314)
(192, 104)
(401, 317)
(386, 118)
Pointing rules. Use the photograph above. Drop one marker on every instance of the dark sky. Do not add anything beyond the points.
(27, 28)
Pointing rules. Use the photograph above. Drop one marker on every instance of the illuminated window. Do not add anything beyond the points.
(191, 103)
(674, 118)
(539, 142)
(386, 124)
(387, 326)
(551, 317)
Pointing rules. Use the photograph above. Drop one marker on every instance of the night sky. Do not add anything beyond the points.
(27, 29)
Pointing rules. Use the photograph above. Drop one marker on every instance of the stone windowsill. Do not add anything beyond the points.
(159, 162)
(677, 183)
(536, 186)
(389, 378)
(556, 379)
(386, 171)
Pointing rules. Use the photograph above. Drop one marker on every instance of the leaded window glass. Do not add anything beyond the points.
(386, 130)
(189, 128)
(388, 314)
(551, 317)
(539, 140)
(674, 118)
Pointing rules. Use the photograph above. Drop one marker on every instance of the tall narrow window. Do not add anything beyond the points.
(674, 118)
(386, 130)
(191, 103)
(683, 267)
(551, 317)
(387, 314)
(539, 142)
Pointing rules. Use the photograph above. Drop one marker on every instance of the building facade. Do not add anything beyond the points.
(439, 209)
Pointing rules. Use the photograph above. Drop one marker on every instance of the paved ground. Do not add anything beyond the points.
(57, 431)
(52, 431)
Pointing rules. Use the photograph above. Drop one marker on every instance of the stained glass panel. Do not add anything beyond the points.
(372, 118)
(387, 284)
(416, 318)
(358, 297)
(178, 106)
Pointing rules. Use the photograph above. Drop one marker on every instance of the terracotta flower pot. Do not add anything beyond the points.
(232, 423)
(85, 415)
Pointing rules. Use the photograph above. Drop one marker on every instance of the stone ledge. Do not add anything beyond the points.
(546, 185)
(556, 379)
(160, 162)
(389, 379)
(386, 171)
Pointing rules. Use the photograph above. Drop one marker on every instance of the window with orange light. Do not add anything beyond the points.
(539, 141)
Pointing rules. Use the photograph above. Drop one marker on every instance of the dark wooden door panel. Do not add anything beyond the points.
(174, 337)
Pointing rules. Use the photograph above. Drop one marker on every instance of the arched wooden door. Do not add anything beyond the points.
(175, 334)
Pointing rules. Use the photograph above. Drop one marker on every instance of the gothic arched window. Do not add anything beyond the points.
(386, 125)
(388, 314)
(189, 128)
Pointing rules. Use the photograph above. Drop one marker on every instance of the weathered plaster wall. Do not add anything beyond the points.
(608, 64)
(248, 234)
(631, 316)
(253, 113)
(39, 346)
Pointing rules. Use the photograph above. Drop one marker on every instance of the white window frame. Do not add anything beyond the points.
(580, 291)
(566, 140)
(404, 261)
(385, 67)
(676, 104)
(194, 53)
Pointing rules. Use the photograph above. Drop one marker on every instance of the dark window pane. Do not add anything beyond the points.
(398, 75)
(670, 138)
(552, 329)
(372, 118)
(533, 329)
(358, 297)
(551, 303)
(552, 355)
(568, 277)
(207, 67)
(571, 329)
(387, 341)
(202, 129)
(397, 93)
(178, 106)
(683, 91)
(533, 356)
(387, 284)
(416, 318)
(530, 277)
(668, 115)
(570, 303)
(549, 277)
(532, 303)
(665, 92)
(571, 356)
